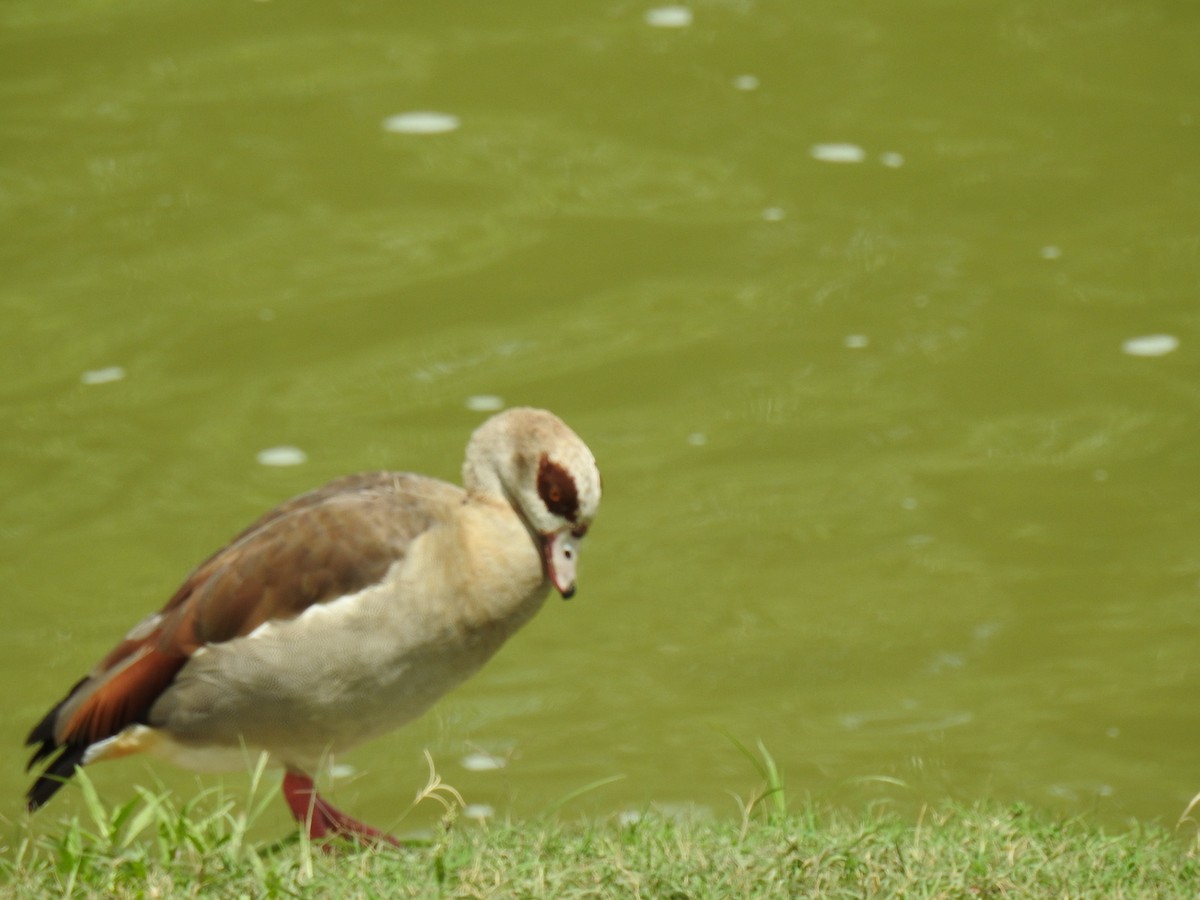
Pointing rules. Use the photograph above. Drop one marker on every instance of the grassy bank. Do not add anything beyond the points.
(151, 847)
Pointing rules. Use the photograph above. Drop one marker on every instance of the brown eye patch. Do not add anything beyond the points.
(557, 489)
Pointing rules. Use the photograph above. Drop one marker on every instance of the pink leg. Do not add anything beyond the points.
(321, 819)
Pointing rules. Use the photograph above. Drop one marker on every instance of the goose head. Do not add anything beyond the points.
(542, 468)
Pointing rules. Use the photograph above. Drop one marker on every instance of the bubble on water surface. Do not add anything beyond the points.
(485, 403)
(102, 376)
(1050, 251)
(892, 159)
(1151, 345)
(746, 82)
(837, 153)
(341, 770)
(669, 17)
(282, 456)
(773, 214)
(908, 721)
(483, 762)
(479, 811)
(697, 439)
(855, 341)
(421, 122)
(985, 631)
(946, 662)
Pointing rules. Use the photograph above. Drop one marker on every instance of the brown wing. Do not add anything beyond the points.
(317, 547)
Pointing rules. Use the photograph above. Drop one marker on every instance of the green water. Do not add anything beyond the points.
(882, 487)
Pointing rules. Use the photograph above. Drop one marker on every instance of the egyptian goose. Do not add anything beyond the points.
(340, 615)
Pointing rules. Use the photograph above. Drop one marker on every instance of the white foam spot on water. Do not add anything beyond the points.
(773, 214)
(341, 770)
(946, 662)
(855, 341)
(102, 376)
(985, 631)
(485, 402)
(669, 17)
(1051, 252)
(421, 122)
(483, 762)
(746, 82)
(837, 153)
(282, 456)
(1151, 345)
(479, 811)
(697, 439)
(891, 159)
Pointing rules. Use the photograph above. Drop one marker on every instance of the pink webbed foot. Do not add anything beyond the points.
(322, 819)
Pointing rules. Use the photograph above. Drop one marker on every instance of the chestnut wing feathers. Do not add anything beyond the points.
(321, 545)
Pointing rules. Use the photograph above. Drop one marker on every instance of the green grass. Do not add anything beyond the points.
(152, 846)
(946, 852)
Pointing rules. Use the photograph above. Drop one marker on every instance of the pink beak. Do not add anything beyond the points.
(561, 552)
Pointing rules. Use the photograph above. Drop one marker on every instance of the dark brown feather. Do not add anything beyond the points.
(55, 775)
(557, 489)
